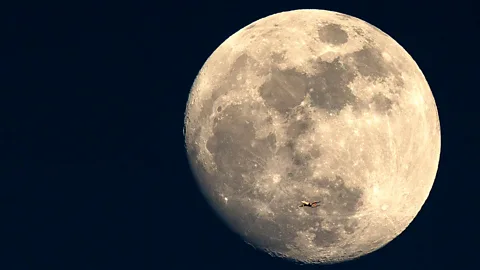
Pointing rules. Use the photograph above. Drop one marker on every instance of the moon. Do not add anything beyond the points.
(320, 106)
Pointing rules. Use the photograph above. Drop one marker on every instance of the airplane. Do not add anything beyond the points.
(309, 204)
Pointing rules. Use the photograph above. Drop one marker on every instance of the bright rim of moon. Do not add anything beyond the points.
(320, 106)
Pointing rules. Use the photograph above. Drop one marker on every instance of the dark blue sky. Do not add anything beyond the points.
(94, 173)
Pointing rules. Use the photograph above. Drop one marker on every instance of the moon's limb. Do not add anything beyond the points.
(313, 105)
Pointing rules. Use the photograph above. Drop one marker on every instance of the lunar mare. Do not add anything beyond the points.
(313, 105)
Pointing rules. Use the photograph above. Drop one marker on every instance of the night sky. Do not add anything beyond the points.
(94, 173)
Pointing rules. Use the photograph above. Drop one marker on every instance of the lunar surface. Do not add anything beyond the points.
(319, 106)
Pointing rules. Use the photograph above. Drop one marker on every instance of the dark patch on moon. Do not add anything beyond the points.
(278, 57)
(299, 161)
(398, 82)
(297, 128)
(269, 120)
(284, 90)
(333, 34)
(350, 225)
(238, 72)
(236, 77)
(381, 103)
(314, 152)
(369, 62)
(326, 238)
(302, 159)
(330, 86)
(233, 145)
(206, 110)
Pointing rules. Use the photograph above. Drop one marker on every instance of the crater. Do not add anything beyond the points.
(333, 34)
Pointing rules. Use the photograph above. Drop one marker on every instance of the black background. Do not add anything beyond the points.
(93, 171)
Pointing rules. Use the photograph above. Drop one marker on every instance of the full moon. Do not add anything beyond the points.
(313, 105)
